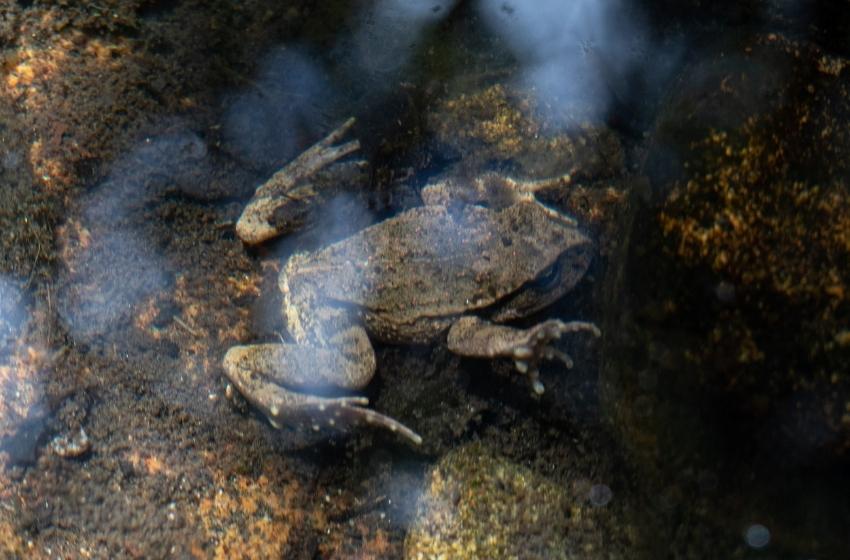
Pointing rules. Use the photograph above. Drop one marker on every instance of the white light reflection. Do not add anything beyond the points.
(390, 33)
(289, 96)
(577, 54)
(22, 358)
(757, 536)
(110, 262)
(12, 312)
(600, 495)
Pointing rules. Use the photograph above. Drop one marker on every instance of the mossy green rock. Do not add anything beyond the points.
(477, 504)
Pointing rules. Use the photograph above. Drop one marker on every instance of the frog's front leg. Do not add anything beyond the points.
(279, 204)
(475, 337)
(272, 376)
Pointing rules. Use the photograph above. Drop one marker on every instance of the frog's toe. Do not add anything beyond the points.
(536, 384)
(339, 414)
(360, 415)
(529, 368)
(542, 334)
(554, 329)
(551, 353)
(523, 352)
(579, 326)
(537, 347)
(524, 356)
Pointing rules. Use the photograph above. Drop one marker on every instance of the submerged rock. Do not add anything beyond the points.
(748, 164)
(480, 505)
(729, 354)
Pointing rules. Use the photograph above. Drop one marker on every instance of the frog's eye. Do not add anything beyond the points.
(549, 278)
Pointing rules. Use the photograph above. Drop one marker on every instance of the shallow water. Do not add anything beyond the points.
(706, 153)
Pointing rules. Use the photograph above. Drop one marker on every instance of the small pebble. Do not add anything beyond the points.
(71, 446)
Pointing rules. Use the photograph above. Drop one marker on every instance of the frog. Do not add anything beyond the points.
(478, 254)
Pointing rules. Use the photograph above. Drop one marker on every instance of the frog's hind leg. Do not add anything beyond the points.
(495, 190)
(264, 373)
(303, 367)
(289, 191)
(505, 191)
(475, 337)
(531, 185)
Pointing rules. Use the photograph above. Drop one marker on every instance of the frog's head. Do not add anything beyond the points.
(556, 254)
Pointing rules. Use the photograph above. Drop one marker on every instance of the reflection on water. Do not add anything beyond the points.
(24, 354)
(286, 98)
(12, 312)
(387, 36)
(705, 149)
(575, 55)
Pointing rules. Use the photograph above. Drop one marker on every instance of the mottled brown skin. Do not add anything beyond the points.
(450, 268)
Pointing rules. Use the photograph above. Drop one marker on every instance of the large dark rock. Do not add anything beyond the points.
(728, 366)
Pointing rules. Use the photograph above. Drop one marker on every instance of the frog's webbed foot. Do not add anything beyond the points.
(471, 336)
(534, 344)
(355, 413)
(282, 406)
(280, 203)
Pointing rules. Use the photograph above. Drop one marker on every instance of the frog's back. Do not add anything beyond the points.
(430, 263)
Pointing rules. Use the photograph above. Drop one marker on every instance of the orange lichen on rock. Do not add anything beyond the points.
(499, 123)
(11, 544)
(252, 517)
(759, 208)
(372, 543)
(757, 227)
(208, 321)
(32, 64)
(494, 120)
(149, 464)
(72, 89)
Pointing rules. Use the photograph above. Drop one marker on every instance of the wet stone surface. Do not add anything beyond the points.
(477, 504)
